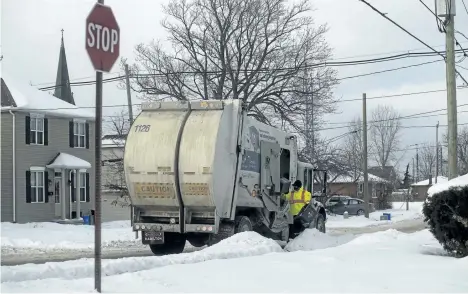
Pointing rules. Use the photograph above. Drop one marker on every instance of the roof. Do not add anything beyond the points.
(114, 140)
(461, 181)
(351, 179)
(425, 182)
(24, 97)
(65, 160)
(382, 172)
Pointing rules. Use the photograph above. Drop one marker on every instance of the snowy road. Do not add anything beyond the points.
(18, 258)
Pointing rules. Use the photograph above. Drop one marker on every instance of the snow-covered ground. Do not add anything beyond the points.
(387, 261)
(398, 214)
(46, 237)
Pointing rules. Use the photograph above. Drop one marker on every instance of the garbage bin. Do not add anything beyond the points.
(86, 219)
(91, 218)
(388, 215)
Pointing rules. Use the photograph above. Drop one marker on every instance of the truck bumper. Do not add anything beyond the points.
(189, 228)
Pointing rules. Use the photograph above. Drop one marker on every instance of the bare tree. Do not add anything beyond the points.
(385, 129)
(117, 128)
(239, 49)
(352, 149)
(462, 149)
(427, 161)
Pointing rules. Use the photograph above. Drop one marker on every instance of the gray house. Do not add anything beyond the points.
(47, 152)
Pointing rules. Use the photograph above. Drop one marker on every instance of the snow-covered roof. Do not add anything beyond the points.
(440, 179)
(461, 181)
(65, 160)
(109, 143)
(29, 98)
(360, 178)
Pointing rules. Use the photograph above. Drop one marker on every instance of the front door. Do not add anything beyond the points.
(58, 196)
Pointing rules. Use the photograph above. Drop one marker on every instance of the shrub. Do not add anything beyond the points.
(447, 215)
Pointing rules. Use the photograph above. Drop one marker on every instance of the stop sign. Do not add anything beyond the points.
(102, 37)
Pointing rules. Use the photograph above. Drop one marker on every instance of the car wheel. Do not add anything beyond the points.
(320, 224)
(360, 212)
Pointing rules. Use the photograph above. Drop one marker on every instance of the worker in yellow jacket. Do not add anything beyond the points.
(298, 198)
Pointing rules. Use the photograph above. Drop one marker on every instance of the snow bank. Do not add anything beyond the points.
(53, 236)
(312, 239)
(240, 245)
(460, 181)
(398, 214)
(369, 263)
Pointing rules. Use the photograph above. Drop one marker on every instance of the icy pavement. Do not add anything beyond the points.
(398, 214)
(389, 261)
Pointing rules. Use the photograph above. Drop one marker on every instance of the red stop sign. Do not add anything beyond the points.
(102, 37)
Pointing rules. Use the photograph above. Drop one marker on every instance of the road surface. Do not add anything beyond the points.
(409, 226)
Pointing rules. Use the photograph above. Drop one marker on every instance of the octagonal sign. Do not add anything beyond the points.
(102, 37)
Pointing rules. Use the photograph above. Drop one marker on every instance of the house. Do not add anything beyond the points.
(47, 151)
(354, 186)
(387, 173)
(418, 190)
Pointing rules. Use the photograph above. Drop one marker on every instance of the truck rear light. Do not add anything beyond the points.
(172, 220)
(203, 228)
(137, 227)
(210, 229)
(143, 227)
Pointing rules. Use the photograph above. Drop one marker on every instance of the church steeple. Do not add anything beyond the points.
(62, 83)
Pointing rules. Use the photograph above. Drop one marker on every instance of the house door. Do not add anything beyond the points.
(58, 195)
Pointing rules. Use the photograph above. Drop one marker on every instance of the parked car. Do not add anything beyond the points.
(335, 199)
(352, 205)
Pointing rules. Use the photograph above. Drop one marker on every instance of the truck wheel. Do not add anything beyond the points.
(320, 224)
(174, 244)
(198, 241)
(243, 224)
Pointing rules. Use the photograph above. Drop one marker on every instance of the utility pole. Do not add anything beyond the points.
(414, 177)
(417, 163)
(437, 153)
(447, 10)
(129, 95)
(364, 143)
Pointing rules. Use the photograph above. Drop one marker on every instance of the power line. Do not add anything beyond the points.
(464, 5)
(317, 65)
(406, 31)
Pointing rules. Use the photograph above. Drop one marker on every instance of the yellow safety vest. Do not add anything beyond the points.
(297, 200)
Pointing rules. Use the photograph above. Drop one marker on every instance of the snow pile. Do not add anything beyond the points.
(398, 214)
(240, 245)
(312, 239)
(369, 263)
(53, 236)
(460, 181)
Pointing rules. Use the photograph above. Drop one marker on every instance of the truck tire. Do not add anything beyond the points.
(320, 224)
(243, 224)
(198, 241)
(174, 244)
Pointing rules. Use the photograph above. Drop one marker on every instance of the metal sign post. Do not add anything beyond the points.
(103, 46)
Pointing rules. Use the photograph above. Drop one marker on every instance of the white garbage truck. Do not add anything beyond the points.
(202, 171)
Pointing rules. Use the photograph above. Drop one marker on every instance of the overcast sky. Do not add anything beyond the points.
(31, 30)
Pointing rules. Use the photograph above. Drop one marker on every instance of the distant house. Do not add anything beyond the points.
(387, 173)
(418, 190)
(354, 186)
(47, 152)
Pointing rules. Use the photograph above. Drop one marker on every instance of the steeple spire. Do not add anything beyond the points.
(62, 83)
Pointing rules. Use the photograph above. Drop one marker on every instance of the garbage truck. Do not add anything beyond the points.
(201, 171)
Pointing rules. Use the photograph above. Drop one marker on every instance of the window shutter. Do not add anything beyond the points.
(28, 186)
(87, 188)
(87, 135)
(28, 130)
(73, 190)
(46, 186)
(70, 134)
(46, 131)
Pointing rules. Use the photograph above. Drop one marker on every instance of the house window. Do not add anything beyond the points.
(82, 187)
(36, 130)
(37, 187)
(79, 134)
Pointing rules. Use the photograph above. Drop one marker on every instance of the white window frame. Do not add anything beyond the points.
(77, 135)
(33, 123)
(83, 184)
(36, 172)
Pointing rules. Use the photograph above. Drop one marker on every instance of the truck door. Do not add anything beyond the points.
(270, 174)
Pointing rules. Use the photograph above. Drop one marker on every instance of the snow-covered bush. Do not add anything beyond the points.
(446, 212)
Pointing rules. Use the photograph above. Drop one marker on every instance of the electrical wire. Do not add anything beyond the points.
(409, 33)
(464, 5)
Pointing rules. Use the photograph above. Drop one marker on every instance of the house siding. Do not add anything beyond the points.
(39, 156)
(6, 167)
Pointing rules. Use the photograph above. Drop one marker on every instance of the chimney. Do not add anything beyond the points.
(430, 179)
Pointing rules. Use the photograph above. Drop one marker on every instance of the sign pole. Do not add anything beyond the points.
(97, 166)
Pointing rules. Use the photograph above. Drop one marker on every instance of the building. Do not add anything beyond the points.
(387, 173)
(47, 151)
(418, 190)
(354, 186)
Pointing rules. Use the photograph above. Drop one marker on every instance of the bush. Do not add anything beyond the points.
(447, 215)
